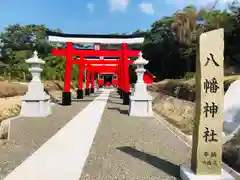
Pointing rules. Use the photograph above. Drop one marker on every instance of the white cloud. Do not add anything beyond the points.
(118, 5)
(199, 3)
(146, 7)
(211, 3)
(90, 7)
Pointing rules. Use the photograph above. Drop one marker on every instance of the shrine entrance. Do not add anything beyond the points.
(107, 73)
(119, 66)
(108, 79)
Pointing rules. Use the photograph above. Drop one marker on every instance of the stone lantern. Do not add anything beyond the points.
(35, 103)
(141, 101)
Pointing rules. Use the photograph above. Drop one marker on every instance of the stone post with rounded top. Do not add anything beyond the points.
(35, 103)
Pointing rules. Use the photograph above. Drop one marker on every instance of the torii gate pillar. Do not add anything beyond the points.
(88, 73)
(92, 82)
(80, 81)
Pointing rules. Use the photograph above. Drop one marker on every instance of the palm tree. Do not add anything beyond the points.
(184, 27)
(187, 26)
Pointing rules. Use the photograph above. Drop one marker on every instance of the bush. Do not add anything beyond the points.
(228, 80)
(189, 75)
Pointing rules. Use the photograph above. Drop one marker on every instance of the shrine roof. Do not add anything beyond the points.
(95, 38)
(52, 33)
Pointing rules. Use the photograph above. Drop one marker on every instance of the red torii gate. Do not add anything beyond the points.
(104, 68)
(101, 69)
(69, 52)
(91, 70)
(123, 63)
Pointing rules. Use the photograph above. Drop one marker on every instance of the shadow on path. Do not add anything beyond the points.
(119, 110)
(114, 96)
(112, 102)
(59, 102)
(168, 167)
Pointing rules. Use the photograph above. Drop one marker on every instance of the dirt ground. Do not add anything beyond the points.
(10, 89)
(11, 92)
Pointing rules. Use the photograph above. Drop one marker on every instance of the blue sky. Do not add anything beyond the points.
(91, 16)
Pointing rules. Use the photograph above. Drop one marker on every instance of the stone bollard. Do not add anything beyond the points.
(141, 101)
(35, 103)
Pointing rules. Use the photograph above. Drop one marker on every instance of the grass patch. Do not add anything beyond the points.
(10, 112)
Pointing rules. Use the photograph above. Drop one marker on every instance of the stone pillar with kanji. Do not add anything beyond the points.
(140, 101)
(206, 160)
(35, 103)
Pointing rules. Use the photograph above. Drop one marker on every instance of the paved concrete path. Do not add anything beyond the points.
(28, 134)
(132, 148)
(124, 148)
